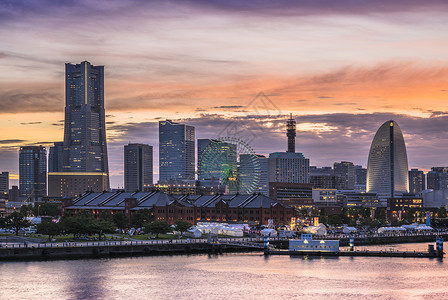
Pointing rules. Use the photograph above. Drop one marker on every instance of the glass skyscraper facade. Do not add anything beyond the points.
(176, 152)
(33, 172)
(138, 167)
(85, 147)
(55, 157)
(387, 167)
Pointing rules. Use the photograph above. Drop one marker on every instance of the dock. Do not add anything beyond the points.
(365, 253)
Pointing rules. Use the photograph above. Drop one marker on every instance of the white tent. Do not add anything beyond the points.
(34, 220)
(423, 227)
(193, 232)
(269, 232)
(349, 229)
(316, 230)
(391, 229)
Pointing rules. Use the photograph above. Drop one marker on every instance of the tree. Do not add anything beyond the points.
(335, 220)
(106, 215)
(47, 209)
(16, 221)
(79, 224)
(158, 227)
(49, 228)
(182, 226)
(102, 227)
(120, 220)
(141, 217)
(26, 210)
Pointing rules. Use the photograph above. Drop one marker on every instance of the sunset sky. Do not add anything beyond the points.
(341, 67)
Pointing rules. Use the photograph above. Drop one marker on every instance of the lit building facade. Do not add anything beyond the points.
(85, 148)
(387, 168)
(4, 183)
(33, 172)
(138, 167)
(346, 170)
(416, 181)
(289, 167)
(73, 184)
(176, 152)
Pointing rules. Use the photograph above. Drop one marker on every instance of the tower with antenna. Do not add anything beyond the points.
(291, 133)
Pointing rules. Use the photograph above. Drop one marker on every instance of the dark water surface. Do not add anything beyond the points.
(228, 276)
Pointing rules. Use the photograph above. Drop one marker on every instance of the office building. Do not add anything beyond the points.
(4, 183)
(73, 184)
(55, 157)
(138, 167)
(326, 181)
(437, 178)
(13, 194)
(297, 195)
(346, 170)
(416, 181)
(33, 172)
(176, 152)
(289, 167)
(85, 149)
(387, 168)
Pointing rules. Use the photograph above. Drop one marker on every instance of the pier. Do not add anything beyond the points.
(365, 253)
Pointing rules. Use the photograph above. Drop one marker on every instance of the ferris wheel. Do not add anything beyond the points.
(234, 163)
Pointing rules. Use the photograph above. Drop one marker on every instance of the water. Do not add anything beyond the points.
(228, 276)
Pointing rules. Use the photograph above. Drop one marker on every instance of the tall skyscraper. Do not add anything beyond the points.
(360, 175)
(291, 134)
(4, 183)
(437, 178)
(85, 147)
(55, 157)
(176, 151)
(138, 167)
(346, 170)
(215, 156)
(33, 172)
(416, 181)
(387, 168)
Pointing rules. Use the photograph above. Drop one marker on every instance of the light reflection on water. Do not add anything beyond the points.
(229, 276)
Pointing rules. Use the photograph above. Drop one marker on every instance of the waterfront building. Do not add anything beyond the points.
(387, 168)
(33, 172)
(346, 170)
(85, 149)
(435, 198)
(176, 151)
(253, 209)
(297, 195)
(4, 183)
(399, 208)
(353, 198)
(55, 157)
(73, 184)
(307, 244)
(138, 167)
(416, 181)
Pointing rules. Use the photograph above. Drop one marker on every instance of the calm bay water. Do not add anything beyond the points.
(228, 276)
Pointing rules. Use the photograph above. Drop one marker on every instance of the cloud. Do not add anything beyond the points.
(229, 107)
(13, 141)
(30, 123)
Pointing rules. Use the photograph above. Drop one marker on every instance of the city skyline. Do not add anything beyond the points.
(340, 69)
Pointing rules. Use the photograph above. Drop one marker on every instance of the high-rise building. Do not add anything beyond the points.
(360, 175)
(387, 168)
(291, 134)
(289, 167)
(55, 157)
(138, 167)
(13, 194)
(85, 148)
(263, 185)
(33, 172)
(176, 152)
(4, 183)
(437, 178)
(416, 181)
(346, 170)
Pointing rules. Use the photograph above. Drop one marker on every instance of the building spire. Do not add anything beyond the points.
(291, 134)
